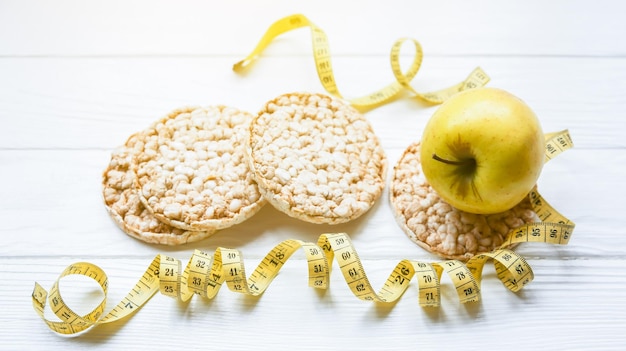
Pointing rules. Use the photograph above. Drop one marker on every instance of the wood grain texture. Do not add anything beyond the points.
(77, 78)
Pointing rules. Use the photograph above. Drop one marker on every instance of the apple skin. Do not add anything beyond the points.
(483, 150)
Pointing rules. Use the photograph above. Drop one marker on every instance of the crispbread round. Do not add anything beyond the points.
(438, 227)
(316, 158)
(127, 210)
(191, 169)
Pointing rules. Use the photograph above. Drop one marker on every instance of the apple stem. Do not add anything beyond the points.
(465, 162)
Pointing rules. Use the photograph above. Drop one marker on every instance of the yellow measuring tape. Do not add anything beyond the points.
(205, 274)
(321, 55)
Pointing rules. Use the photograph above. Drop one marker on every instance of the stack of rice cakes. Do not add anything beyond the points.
(202, 169)
(184, 177)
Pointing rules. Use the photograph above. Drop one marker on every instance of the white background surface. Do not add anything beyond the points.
(77, 78)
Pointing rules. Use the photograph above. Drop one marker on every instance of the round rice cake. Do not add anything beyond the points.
(438, 227)
(124, 206)
(316, 158)
(191, 171)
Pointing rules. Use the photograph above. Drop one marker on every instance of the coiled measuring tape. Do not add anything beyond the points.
(205, 274)
(321, 54)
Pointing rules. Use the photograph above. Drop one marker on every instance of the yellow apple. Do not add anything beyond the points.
(483, 150)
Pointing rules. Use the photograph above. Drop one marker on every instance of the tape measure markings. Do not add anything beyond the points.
(323, 66)
(464, 282)
(556, 143)
(465, 278)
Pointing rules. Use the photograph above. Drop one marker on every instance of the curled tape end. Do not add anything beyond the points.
(39, 295)
(240, 66)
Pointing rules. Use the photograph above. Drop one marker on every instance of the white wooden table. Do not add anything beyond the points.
(77, 78)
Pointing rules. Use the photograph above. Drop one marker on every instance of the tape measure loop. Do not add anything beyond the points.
(404, 78)
(70, 321)
(511, 268)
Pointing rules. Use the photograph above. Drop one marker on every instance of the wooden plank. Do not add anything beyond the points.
(71, 27)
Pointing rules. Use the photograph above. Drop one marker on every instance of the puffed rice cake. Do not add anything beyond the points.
(316, 158)
(438, 227)
(191, 171)
(127, 210)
